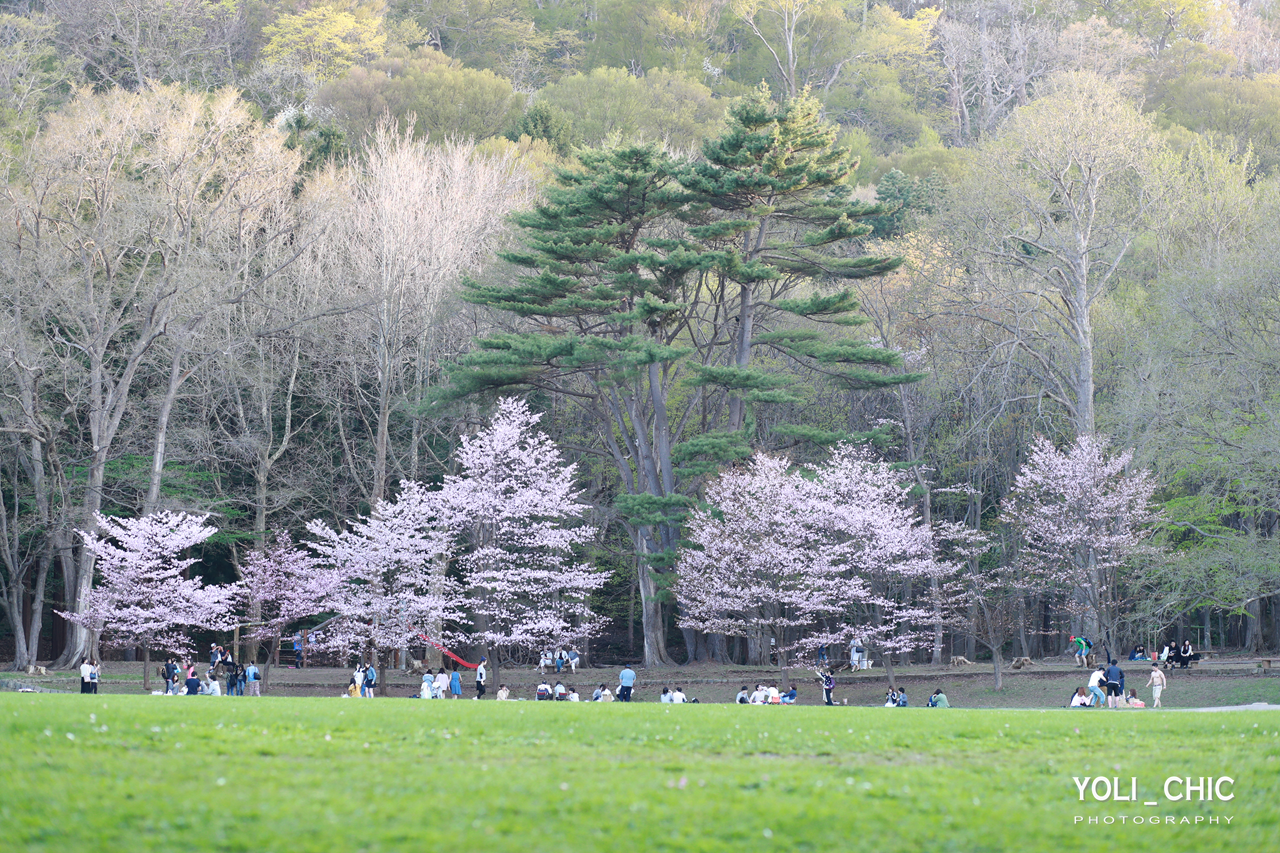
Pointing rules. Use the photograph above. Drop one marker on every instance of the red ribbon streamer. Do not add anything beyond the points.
(447, 652)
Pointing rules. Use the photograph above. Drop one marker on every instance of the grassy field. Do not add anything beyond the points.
(114, 772)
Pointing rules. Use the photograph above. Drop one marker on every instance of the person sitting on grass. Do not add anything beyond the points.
(891, 698)
(503, 693)
(192, 686)
(902, 698)
(573, 695)
(743, 697)
(938, 700)
(606, 695)
(775, 697)
(789, 698)
(211, 687)
(1081, 698)
(1133, 701)
(678, 697)
(665, 696)
(760, 696)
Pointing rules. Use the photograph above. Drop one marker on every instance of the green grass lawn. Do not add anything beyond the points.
(240, 774)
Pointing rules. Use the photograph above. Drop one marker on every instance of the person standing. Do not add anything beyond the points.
(441, 685)
(626, 681)
(253, 679)
(1157, 682)
(480, 677)
(86, 670)
(455, 685)
(1115, 680)
(828, 686)
(370, 681)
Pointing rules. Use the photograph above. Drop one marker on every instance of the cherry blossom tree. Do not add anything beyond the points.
(811, 557)
(517, 511)
(391, 574)
(146, 598)
(280, 584)
(1081, 516)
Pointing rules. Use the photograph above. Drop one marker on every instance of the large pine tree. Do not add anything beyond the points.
(651, 282)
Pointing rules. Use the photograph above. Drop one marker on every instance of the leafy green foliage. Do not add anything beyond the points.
(443, 99)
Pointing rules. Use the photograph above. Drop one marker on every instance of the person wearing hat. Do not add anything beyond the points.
(480, 678)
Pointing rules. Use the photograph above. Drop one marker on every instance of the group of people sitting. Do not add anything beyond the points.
(547, 693)
(765, 695)
(562, 658)
(181, 678)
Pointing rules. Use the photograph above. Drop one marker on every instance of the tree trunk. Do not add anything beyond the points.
(887, 660)
(146, 667)
(995, 665)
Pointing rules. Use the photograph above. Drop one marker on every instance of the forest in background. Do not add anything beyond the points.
(249, 249)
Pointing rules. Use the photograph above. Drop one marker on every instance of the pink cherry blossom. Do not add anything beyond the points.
(813, 556)
(517, 513)
(144, 598)
(1081, 516)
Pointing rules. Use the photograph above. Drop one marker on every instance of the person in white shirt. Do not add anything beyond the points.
(1096, 681)
(1081, 698)
(480, 678)
(211, 684)
(561, 693)
(606, 695)
(86, 676)
(573, 695)
(503, 693)
(665, 698)
(761, 695)
(678, 696)
(548, 659)
(441, 684)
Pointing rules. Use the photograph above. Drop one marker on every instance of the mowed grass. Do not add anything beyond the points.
(241, 774)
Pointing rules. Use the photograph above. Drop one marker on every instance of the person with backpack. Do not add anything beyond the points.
(1082, 648)
(253, 679)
